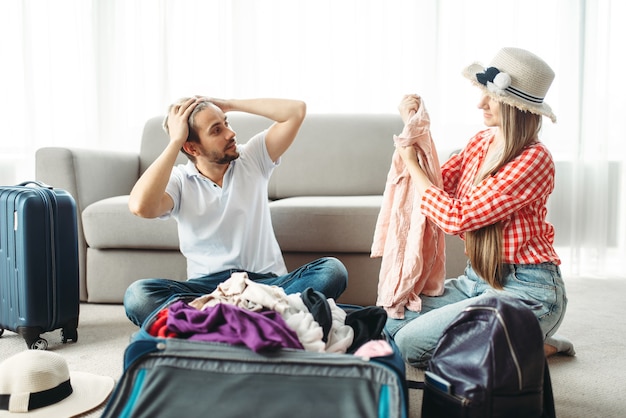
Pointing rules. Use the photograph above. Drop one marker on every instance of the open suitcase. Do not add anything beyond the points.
(165, 377)
(38, 263)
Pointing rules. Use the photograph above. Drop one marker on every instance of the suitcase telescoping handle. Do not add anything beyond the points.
(36, 182)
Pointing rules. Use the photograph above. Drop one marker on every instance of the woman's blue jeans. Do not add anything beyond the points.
(327, 275)
(418, 333)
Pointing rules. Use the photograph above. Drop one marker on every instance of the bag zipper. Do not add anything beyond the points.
(508, 340)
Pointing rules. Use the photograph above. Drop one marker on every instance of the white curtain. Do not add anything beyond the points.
(89, 73)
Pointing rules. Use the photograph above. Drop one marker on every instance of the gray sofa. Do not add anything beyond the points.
(325, 198)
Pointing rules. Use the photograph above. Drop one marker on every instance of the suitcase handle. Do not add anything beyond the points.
(37, 182)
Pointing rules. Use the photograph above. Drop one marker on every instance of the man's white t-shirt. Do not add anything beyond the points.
(228, 227)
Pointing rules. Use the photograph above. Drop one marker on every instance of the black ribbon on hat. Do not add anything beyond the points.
(43, 398)
(488, 76)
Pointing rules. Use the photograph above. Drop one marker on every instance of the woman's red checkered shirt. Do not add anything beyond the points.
(516, 195)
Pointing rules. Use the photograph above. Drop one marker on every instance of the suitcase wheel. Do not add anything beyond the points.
(32, 336)
(69, 335)
(38, 344)
(69, 332)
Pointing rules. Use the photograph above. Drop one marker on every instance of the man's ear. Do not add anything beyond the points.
(190, 148)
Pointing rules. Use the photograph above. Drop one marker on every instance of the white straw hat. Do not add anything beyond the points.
(516, 77)
(38, 383)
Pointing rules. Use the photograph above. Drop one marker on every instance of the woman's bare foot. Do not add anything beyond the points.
(558, 344)
(549, 350)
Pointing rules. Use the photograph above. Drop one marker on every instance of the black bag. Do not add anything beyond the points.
(490, 363)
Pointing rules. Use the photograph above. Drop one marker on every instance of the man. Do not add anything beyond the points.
(219, 199)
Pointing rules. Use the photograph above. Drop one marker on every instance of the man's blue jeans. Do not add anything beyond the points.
(327, 275)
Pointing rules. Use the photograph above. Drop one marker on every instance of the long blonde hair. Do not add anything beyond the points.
(484, 246)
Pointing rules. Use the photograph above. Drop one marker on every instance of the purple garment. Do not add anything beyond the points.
(231, 324)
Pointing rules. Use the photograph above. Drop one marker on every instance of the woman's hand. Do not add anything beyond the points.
(408, 155)
(408, 106)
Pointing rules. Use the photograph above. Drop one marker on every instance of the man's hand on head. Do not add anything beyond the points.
(224, 105)
(178, 120)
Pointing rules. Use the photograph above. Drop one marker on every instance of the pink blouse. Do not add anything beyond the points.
(411, 246)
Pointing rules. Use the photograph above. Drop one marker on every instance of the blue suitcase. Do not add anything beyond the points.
(38, 263)
(166, 377)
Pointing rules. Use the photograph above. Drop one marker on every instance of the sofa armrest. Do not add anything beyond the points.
(89, 176)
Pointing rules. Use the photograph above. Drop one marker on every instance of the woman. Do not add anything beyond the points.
(494, 196)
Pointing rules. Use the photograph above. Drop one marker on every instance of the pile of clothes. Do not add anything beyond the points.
(264, 318)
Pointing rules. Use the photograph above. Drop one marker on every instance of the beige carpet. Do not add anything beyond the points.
(592, 384)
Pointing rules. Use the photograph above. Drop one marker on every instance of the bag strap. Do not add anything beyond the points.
(415, 384)
(548, 397)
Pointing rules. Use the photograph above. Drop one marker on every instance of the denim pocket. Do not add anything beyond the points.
(536, 283)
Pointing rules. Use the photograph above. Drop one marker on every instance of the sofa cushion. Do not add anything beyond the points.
(337, 155)
(342, 224)
(112, 271)
(332, 223)
(108, 223)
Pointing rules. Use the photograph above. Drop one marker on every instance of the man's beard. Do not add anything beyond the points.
(224, 158)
